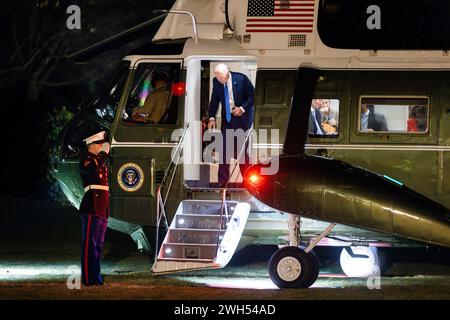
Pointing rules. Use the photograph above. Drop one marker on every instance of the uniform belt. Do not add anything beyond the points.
(96, 187)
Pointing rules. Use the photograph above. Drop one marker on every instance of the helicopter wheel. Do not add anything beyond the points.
(315, 266)
(292, 267)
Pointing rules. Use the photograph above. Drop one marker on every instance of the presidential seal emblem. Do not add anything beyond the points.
(130, 177)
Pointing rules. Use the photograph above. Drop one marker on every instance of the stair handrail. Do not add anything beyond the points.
(160, 203)
(223, 209)
(160, 213)
(239, 156)
(186, 127)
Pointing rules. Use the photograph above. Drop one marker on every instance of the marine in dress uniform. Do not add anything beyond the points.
(94, 208)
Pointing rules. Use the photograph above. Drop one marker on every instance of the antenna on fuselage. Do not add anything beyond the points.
(194, 21)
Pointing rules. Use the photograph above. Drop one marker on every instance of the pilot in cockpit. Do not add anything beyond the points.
(156, 102)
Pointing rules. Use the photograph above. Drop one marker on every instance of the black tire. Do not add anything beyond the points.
(314, 270)
(306, 265)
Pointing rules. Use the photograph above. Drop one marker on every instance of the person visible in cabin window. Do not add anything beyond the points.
(156, 102)
(330, 117)
(315, 118)
(371, 121)
(417, 121)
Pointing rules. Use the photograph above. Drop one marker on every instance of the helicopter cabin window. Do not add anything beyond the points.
(394, 114)
(153, 98)
(324, 118)
(384, 24)
(106, 104)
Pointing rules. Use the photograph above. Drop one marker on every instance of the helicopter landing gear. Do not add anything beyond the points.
(293, 266)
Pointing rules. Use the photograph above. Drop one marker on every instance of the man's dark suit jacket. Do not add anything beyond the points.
(312, 124)
(243, 94)
(377, 122)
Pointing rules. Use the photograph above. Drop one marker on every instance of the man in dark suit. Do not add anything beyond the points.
(371, 121)
(236, 93)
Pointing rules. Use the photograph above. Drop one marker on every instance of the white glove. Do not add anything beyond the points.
(105, 147)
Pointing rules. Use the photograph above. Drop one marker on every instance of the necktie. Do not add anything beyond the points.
(227, 103)
(364, 122)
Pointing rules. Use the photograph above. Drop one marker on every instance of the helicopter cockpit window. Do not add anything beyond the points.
(106, 104)
(324, 118)
(151, 100)
(393, 114)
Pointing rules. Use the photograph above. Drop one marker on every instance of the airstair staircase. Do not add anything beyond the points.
(203, 234)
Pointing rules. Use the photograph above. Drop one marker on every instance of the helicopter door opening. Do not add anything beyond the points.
(201, 165)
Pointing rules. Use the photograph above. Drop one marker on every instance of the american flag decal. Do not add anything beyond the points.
(289, 16)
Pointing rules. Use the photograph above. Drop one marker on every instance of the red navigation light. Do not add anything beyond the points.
(254, 178)
(179, 89)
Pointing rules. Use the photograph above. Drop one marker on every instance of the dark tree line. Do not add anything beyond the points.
(40, 87)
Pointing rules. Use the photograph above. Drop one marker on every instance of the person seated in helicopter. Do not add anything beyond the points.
(330, 117)
(156, 102)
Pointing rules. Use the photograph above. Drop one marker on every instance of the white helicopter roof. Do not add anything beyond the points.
(272, 47)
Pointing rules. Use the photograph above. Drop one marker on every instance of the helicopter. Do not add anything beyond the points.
(277, 49)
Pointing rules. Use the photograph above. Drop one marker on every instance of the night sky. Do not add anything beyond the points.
(39, 86)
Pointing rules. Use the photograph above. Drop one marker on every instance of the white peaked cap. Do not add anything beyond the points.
(96, 137)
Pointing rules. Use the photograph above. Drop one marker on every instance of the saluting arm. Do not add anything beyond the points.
(103, 154)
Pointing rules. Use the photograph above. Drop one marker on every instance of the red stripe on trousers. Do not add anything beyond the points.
(86, 247)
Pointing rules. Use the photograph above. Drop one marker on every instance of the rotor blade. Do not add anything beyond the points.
(297, 130)
(117, 40)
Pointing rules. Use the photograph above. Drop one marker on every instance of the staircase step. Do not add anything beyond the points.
(192, 221)
(217, 190)
(204, 207)
(191, 251)
(199, 236)
(176, 265)
(186, 260)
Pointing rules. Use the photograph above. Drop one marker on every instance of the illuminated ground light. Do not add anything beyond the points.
(230, 283)
(39, 270)
(24, 272)
(249, 283)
